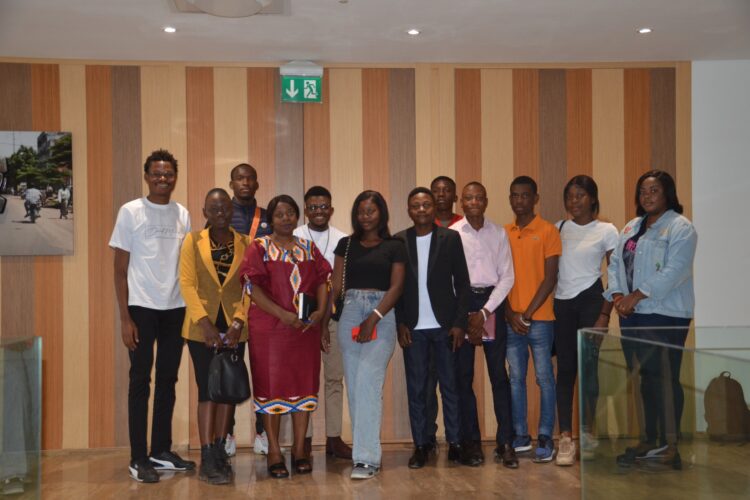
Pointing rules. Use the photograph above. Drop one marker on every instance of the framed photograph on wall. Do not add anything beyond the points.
(36, 193)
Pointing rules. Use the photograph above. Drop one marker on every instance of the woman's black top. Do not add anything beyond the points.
(370, 267)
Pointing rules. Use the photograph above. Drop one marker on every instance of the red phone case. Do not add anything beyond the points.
(355, 333)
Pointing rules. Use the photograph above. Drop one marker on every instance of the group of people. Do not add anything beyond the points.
(257, 280)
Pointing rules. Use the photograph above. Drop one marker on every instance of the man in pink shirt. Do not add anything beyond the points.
(490, 264)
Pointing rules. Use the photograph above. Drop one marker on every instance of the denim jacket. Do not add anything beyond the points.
(663, 267)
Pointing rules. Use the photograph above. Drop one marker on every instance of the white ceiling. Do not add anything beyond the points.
(374, 31)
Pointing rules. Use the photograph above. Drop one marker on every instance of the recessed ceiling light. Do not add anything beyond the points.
(169, 29)
(644, 31)
(413, 32)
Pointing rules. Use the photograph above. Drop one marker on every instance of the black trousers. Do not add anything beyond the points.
(581, 311)
(164, 328)
(494, 353)
(659, 367)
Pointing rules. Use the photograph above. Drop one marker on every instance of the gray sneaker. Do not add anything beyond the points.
(566, 452)
(364, 471)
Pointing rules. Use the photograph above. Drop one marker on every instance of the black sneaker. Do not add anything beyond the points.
(644, 451)
(169, 460)
(143, 471)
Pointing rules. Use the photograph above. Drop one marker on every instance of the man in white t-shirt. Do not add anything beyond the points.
(147, 239)
(318, 210)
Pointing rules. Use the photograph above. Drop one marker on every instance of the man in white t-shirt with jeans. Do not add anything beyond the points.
(147, 238)
(318, 210)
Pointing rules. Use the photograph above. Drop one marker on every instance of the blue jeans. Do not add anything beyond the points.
(540, 337)
(364, 371)
(426, 344)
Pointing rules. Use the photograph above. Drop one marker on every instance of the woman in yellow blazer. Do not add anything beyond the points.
(210, 284)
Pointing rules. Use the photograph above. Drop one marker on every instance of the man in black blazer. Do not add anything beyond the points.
(432, 316)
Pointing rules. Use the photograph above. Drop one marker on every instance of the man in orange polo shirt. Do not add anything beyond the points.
(536, 247)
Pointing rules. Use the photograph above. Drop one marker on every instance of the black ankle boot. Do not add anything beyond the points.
(210, 470)
(221, 457)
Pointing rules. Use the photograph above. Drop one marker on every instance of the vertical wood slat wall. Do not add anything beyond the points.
(380, 128)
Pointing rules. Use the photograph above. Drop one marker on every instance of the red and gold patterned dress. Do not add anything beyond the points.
(284, 361)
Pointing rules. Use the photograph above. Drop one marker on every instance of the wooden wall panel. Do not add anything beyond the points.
(48, 279)
(230, 125)
(683, 153)
(401, 131)
(262, 100)
(290, 155)
(127, 180)
(16, 114)
(401, 144)
(552, 143)
(663, 143)
(393, 130)
(75, 295)
(637, 103)
(608, 143)
(578, 123)
(375, 132)
(526, 122)
(317, 146)
(497, 145)
(101, 267)
(468, 103)
(347, 178)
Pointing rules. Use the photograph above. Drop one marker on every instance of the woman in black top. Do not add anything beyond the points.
(369, 264)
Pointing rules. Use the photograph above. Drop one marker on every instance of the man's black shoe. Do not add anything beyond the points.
(472, 454)
(454, 452)
(143, 471)
(418, 458)
(507, 455)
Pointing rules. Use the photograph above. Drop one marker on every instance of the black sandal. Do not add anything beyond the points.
(302, 465)
(278, 470)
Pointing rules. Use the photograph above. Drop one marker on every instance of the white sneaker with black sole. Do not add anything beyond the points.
(169, 460)
(143, 471)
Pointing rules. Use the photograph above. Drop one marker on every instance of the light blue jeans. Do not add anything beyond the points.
(540, 337)
(364, 371)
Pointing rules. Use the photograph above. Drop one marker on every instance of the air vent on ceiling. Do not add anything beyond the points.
(233, 8)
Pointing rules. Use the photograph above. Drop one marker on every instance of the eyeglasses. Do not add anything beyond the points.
(159, 175)
(315, 208)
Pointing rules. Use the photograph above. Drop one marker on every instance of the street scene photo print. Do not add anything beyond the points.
(36, 193)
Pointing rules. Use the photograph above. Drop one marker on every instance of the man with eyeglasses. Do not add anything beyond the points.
(147, 239)
(318, 210)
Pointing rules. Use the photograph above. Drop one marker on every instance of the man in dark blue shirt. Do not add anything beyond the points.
(247, 218)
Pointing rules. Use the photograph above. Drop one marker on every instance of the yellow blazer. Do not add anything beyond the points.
(200, 287)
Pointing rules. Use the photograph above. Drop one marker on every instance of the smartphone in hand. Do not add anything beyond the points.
(355, 333)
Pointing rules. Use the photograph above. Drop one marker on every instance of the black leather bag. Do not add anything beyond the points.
(338, 304)
(228, 380)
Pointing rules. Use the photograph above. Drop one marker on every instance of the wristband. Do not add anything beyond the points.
(484, 314)
(236, 325)
(524, 320)
(378, 313)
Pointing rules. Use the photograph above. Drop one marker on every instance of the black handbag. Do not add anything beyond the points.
(338, 304)
(228, 380)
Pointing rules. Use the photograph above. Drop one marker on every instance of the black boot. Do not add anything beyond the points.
(210, 471)
(221, 457)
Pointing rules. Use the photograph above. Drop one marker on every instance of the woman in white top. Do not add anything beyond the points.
(586, 241)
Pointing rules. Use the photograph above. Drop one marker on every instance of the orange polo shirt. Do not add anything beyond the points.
(530, 247)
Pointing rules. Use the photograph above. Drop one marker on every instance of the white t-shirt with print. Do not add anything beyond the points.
(153, 235)
(583, 249)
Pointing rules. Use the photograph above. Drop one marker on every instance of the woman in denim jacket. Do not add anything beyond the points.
(650, 281)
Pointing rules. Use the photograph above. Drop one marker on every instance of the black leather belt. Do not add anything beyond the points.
(481, 289)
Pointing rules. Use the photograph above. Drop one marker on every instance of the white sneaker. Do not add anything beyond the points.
(261, 444)
(566, 451)
(364, 471)
(588, 445)
(230, 447)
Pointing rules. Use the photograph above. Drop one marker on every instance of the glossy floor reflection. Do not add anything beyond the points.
(103, 474)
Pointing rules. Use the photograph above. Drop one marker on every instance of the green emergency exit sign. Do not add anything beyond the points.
(301, 88)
